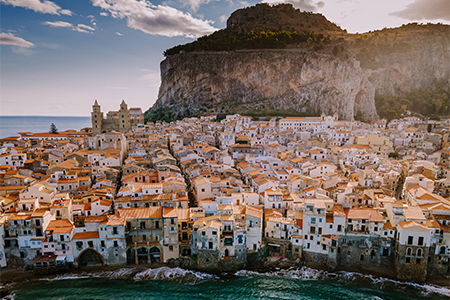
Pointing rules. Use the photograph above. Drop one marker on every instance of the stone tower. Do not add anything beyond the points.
(124, 118)
(97, 118)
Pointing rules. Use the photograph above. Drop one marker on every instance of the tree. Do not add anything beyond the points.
(53, 128)
(393, 155)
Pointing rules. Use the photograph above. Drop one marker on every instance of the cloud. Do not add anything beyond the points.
(10, 39)
(23, 51)
(61, 24)
(58, 24)
(425, 10)
(158, 20)
(92, 20)
(84, 28)
(119, 34)
(42, 6)
(223, 18)
(305, 5)
(104, 14)
(195, 4)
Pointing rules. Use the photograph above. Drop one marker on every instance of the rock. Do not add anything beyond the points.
(303, 78)
(285, 263)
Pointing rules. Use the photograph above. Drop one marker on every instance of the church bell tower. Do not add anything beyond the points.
(97, 118)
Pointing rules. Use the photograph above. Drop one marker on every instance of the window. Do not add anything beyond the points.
(312, 230)
(38, 222)
(214, 232)
(116, 244)
(170, 248)
(142, 225)
(419, 252)
(408, 260)
(339, 228)
(115, 231)
(203, 233)
(203, 190)
(320, 230)
(103, 244)
(410, 240)
(418, 261)
(420, 241)
(210, 244)
(61, 237)
(79, 245)
(91, 244)
(409, 251)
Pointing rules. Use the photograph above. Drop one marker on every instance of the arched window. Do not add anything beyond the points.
(409, 251)
(419, 252)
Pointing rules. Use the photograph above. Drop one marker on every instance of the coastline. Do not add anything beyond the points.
(12, 279)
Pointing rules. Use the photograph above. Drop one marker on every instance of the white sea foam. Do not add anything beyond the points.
(162, 273)
(175, 274)
(67, 277)
(9, 297)
(426, 288)
(308, 273)
(302, 273)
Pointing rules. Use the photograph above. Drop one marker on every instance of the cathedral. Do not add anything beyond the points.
(122, 120)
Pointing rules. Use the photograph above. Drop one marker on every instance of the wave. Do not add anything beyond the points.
(426, 288)
(139, 274)
(9, 297)
(306, 273)
(302, 273)
(166, 273)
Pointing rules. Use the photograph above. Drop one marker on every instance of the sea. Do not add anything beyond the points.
(175, 283)
(10, 125)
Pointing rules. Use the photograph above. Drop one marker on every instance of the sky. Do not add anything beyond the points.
(58, 56)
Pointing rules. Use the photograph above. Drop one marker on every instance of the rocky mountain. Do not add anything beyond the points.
(288, 62)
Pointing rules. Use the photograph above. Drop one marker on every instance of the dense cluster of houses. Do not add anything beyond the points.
(315, 189)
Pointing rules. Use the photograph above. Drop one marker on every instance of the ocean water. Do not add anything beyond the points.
(165, 283)
(10, 125)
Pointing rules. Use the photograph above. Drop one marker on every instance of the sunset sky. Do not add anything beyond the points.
(58, 56)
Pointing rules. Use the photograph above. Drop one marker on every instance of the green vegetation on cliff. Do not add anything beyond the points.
(264, 27)
(431, 102)
(236, 39)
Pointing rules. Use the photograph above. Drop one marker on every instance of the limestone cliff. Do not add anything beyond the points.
(341, 76)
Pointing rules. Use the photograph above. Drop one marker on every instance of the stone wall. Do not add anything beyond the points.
(362, 250)
(410, 267)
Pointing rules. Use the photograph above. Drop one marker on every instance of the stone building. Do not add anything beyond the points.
(122, 120)
(412, 250)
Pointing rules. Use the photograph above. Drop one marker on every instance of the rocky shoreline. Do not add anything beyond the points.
(12, 278)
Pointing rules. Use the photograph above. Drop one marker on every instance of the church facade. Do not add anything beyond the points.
(122, 120)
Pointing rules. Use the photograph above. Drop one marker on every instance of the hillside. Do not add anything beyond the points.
(280, 61)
